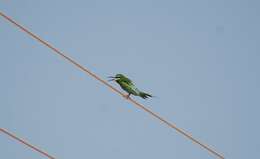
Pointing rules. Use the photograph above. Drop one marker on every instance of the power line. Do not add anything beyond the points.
(111, 87)
(26, 143)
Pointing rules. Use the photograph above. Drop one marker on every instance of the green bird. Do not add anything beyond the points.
(127, 85)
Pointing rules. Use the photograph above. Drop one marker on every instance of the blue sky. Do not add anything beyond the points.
(200, 58)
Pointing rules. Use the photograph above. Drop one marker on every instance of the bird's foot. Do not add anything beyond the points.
(127, 96)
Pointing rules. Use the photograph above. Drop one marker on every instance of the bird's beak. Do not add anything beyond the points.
(111, 78)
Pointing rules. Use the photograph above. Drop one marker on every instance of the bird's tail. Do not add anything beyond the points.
(145, 95)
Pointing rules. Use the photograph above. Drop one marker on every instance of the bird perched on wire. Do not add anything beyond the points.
(127, 85)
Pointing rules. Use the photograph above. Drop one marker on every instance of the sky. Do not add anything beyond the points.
(199, 58)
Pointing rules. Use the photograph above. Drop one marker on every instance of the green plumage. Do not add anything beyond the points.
(127, 85)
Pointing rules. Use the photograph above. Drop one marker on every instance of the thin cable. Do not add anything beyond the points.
(26, 143)
(111, 87)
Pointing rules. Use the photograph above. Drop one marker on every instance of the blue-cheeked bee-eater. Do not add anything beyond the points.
(127, 85)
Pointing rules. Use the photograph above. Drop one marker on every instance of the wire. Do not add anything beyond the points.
(111, 87)
(26, 143)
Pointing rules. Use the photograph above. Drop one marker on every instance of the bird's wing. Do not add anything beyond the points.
(128, 81)
(130, 88)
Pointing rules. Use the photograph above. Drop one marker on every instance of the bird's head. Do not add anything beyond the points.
(116, 77)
